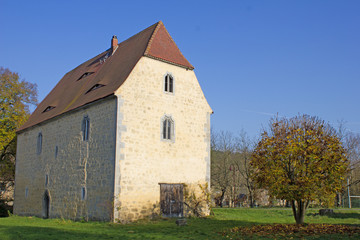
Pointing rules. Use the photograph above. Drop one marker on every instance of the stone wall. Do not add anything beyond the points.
(143, 159)
(126, 128)
(78, 164)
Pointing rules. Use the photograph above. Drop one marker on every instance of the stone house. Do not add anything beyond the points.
(117, 137)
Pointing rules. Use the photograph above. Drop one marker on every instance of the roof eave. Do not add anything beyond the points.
(20, 130)
(172, 63)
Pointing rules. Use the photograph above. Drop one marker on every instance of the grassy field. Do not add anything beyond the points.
(15, 227)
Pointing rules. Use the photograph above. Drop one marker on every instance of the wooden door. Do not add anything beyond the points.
(171, 200)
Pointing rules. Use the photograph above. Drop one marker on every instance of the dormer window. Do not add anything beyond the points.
(48, 108)
(169, 83)
(96, 86)
(85, 75)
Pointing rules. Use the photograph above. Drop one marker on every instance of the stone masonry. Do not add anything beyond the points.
(143, 159)
(125, 158)
(78, 164)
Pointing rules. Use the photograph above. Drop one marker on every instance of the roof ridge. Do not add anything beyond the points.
(159, 23)
(139, 33)
(178, 48)
(148, 50)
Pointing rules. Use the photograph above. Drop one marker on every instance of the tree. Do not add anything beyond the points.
(351, 142)
(244, 148)
(15, 98)
(300, 159)
(222, 149)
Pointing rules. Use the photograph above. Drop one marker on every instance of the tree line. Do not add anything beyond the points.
(295, 162)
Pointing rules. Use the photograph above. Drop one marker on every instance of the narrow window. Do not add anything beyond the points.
(46, 180)
(168, 129)
(166, 83)
(56, 151)
(86, 128)
(164, 129)
(83, 193)
(26, 192)
(169, 83)
(39, 143)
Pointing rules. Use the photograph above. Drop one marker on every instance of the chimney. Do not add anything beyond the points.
(114, 43)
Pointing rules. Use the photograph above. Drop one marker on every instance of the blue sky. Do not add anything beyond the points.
(253, 59)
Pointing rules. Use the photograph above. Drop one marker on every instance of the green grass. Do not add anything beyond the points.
(15, 227)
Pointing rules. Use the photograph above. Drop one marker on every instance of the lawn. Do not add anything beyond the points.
(214, 227)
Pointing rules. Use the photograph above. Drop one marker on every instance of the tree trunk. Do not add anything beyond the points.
(338, 199)
(251, 200)
(299, 210)
(222, 196)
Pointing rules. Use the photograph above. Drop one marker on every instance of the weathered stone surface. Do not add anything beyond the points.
(147, 159)
(78, 164)
(125, 158)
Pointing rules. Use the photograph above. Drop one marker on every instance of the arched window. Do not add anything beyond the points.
(169, 83)
(39, 143)
(86, 128)
(167, 128)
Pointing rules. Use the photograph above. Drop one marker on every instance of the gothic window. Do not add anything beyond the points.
(167, 128)
(169, 83)
(86, 128)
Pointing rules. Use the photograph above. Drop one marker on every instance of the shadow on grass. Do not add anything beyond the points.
(196, 229)
(344, 215)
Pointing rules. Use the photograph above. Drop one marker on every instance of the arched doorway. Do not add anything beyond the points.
(46, 204)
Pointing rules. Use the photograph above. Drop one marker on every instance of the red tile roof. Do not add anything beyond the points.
(163, 47)
(108, 71)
